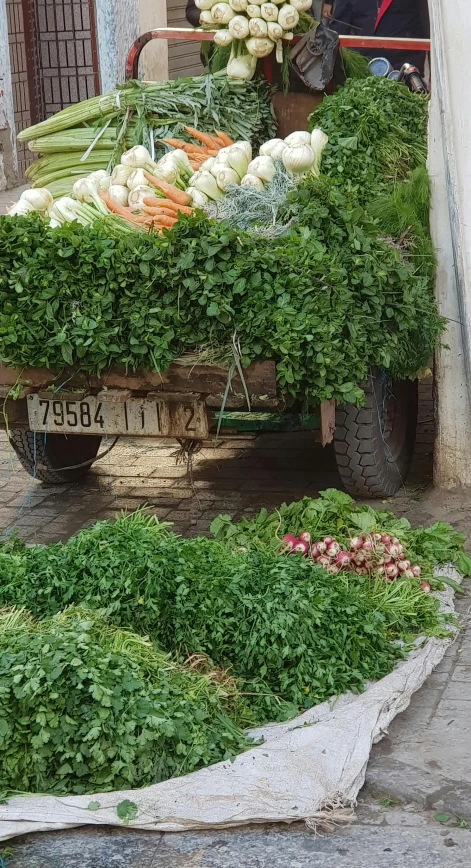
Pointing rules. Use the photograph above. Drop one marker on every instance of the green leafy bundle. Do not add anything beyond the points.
(336, 514)
(377, 134)
(325, 302)
(85, 706)
(290, 633)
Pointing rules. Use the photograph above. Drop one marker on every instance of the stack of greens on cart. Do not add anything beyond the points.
(346, 286)
(88, 703)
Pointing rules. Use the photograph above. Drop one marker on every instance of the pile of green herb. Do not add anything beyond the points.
(289, 633)
(377, 134)
(336, 513)
(326, 301)
(85, 706)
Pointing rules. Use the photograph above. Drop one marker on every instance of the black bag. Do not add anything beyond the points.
(315, 59)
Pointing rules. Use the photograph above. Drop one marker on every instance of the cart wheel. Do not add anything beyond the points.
(43, 456)
(374, 443)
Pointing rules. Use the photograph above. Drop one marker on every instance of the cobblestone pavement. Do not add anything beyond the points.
(424, 763)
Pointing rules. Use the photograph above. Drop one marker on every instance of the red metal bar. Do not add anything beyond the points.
(132, 60)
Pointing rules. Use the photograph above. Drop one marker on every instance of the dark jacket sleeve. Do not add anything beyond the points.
(192, 13)
(425, 19)
(342, 12)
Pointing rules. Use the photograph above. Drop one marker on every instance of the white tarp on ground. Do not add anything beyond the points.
(303, 766)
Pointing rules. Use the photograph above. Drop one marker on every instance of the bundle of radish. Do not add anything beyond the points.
(371, 554)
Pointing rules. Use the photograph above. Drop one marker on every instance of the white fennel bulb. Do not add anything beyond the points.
(222, 13)
(258, 27)
(238, 27)
(64, 210)
(105, 184)
(253, 11)
(98, 175)
(288, 35)
(54, 224)
(269, 12)
(252, 181)
(222, 161)
(223, 37)
(301, 5)
(260, 46)
(273, 148)
(288, 17)
(204, 4)
(86, 190)
(318, 143)
(137, 179)
(206, 18)
(20, 209)
(241, 66)
(238, 160)
(246, 147)
(238, 5)
(299, 137)
(138, 157)
(199, 199)
(39, 200)
(263, 168)
(275, 30)
(120, 174)
(118, 194)
(298, 160)
(181, 160)
(136, 197)
(227, 176)
(168, 169)
(208, 164)
(206, 183)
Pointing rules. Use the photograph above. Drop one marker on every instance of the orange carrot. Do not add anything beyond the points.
(170, 191)
(184, 146)
(160, 212)
(224, 138)
(167, 203)
(162, 220)
(204, 138)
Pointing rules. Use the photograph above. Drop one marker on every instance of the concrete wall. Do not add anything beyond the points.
(8, 159)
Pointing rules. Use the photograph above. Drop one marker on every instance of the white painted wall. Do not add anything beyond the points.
(8, 157)
(450, 170)
(119, 23)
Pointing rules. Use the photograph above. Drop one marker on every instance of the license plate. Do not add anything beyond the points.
(134, 417)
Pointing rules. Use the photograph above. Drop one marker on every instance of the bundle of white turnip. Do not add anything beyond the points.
(253, 30)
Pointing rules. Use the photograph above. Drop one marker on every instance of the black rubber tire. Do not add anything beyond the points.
(44, 456)
(374, 443)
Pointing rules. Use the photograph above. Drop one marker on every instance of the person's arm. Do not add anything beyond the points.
(192, 13)
(341, 16)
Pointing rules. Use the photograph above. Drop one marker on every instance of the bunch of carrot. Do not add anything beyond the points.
(208, 147)
(159, 212)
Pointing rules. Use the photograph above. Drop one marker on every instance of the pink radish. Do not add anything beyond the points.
(367, 545)
(408, 574)
(416, 571)
(333, 549)
(393, 550)
(343, 560)
(315, 552)
(359, 558)
(332, 568)
(404, 565)
(381, 572)
(356, 543)
(321, 547)
(301, 548)
(385, 539)
(324, 561)
(425, 587)
(289, 542)
(377, 537)
(305, 537)
(392, 571)
(361, 571)
(395, 541)
(328, 540)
